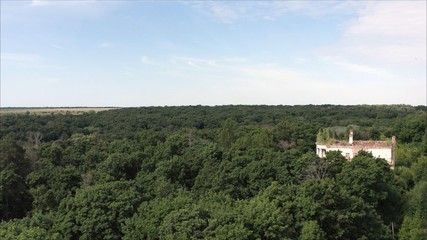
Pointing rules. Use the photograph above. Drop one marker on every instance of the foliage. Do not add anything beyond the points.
(325, 136)
(198, 172)
(415, 223)
(97, 212)
(15, 199)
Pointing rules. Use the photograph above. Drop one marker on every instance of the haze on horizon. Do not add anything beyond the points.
(155, 53)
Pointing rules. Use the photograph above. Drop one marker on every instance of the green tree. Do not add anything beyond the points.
(227, 133)
(325, 135)
(419, 169)
(311, 231)
(267, 218)
(184, 223)
(20, 230)
(15, 199)
(338, 214)
(335, 161)
(144, 224)
(372, 180)
(97, 212)
(414, 225)
(50, 184)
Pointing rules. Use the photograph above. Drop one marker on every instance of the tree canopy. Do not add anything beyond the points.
(198, 172)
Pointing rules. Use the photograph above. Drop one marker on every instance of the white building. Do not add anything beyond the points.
(379, 149)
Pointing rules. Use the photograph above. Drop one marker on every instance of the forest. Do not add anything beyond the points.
(212, 172)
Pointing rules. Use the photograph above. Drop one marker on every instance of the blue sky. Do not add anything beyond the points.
(154, 53)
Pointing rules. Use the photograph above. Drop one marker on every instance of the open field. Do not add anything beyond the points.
(43, 111)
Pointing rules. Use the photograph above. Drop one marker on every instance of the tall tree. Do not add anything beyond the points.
(15, 199)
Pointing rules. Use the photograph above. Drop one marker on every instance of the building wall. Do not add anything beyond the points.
(346, 152)
(381, 153)
(350, 152)
(321, 150)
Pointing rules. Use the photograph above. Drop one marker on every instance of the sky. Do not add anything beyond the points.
(154, 53)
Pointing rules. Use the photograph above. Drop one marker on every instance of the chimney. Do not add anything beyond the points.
(350, 137)
(393, 140)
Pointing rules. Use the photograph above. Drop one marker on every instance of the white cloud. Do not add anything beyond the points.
(146, 60)
(79, 10)
(192, 64)
(249, 82)
(405, 19)
(224, 13)
(105, 45)
(236, 59)
(239, 80)
(310, 8)
(57, 2)
(58, 47)
(19, 57)
(389, 32)
(27, 61)
(39, 2)
(364, 69)
(269, 18)
(378, 33)
(357, 68)
(229, 11)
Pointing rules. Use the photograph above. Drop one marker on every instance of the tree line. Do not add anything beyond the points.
(225, 172)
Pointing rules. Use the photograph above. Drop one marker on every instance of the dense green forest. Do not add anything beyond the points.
(198, 172)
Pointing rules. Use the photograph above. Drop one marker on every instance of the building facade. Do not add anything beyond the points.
(379, 149)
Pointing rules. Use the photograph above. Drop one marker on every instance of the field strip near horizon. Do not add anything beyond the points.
(57, 110)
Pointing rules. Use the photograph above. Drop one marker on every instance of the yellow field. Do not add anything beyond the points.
(43, 111)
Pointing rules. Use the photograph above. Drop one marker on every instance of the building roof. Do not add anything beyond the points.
(360, 144)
